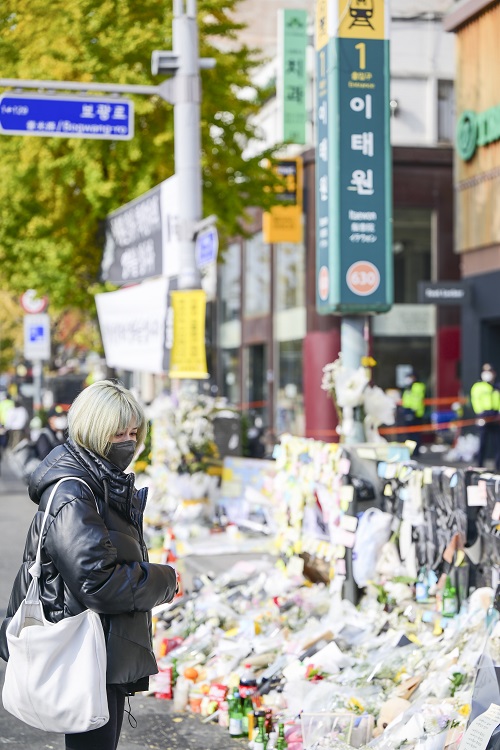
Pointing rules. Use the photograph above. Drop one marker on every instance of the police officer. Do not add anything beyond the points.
(485, 400)
(413, 406)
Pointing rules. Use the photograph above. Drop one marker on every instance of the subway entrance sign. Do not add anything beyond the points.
(67, 116)
(354, 265)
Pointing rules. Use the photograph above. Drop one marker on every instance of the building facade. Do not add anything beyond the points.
(475, 25)
(271, 342)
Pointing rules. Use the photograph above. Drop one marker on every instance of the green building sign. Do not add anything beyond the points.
(477, 129)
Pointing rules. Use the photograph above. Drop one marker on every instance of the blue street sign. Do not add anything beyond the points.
(207, 246)
(36, 333)
(67, 117)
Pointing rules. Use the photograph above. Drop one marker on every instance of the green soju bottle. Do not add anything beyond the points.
(260, 741)
(235, 715)
(450, 602)
(281, 744)
(246, 709)
(175, 671)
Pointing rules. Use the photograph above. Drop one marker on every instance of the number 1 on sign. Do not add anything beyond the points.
(362, 55)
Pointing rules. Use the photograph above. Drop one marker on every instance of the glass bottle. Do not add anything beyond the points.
(247, 712)
(422, 586)
(281, 744)
(260, 741)
(175, 671)
(450, 602)
(235, 715)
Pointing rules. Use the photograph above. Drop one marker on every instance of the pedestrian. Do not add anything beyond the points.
(52, 435)
(16, 423)
(485, 401)
(413, 407)
(6, 405)
(96, 558)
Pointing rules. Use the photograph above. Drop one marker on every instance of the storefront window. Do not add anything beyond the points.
(255, 382)
(290, 396)
(395, 355)
(230, 362)
(230, 284)
(412, 252)
(257, 277)
(290, 275)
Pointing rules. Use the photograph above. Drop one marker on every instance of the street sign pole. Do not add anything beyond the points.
(187, 141)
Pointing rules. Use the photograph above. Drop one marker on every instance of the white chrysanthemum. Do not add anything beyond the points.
(379, 406)
(349, 386)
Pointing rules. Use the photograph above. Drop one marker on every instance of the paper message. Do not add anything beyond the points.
(475, 496)
(479, 733)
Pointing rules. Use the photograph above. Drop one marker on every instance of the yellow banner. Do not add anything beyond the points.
(321, 23)
(188, 359)
(284, 223)
(363, 19)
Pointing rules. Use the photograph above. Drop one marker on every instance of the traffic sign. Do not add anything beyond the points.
(67, 117)
(207, 246)
(32, 303)
(37, 336)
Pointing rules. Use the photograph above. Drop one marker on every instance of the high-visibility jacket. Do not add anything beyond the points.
(484, 397)
(6, 405)
(413, 398)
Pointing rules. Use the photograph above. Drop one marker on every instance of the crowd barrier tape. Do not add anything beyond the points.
(430, 427)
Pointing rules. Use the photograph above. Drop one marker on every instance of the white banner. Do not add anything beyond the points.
(133, 325)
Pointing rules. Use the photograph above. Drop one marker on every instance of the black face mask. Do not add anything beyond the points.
(121, 454)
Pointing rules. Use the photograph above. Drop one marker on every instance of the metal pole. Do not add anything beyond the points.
(353, 346)
(37, 385)
(110, 88)
(187, 140)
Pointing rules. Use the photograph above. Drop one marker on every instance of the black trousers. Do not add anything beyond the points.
(489, 436)
(106, 737)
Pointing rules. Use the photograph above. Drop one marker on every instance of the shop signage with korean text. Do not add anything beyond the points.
(284, 222)
(444, 292)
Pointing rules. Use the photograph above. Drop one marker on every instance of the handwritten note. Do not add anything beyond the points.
(479, 733)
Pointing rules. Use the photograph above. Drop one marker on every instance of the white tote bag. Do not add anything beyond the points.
(56, 674)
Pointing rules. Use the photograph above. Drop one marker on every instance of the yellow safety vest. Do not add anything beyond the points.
(413, 398)
(484, 397)
(5, 407)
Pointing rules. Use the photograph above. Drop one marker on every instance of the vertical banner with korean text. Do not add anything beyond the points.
(292, 79)
(188, 357)
(355, 270)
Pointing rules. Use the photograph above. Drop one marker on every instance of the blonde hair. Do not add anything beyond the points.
(102, 410)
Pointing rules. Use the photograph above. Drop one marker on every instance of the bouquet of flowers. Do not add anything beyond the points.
(357, 401)
(183, 433)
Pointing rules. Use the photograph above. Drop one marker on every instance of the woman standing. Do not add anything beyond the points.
(97, 559)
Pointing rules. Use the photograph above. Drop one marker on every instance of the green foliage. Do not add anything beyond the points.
(56, 192)
(457, 680)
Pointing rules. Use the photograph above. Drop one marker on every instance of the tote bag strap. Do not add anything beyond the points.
(36, 568)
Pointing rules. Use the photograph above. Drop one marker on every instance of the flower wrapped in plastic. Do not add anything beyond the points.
(353, 396)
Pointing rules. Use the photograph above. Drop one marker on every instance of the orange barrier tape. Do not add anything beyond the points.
(413, 428)
(435, 427)
(442, 400)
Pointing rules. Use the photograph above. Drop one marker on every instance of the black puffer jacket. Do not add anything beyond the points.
(95, 560)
